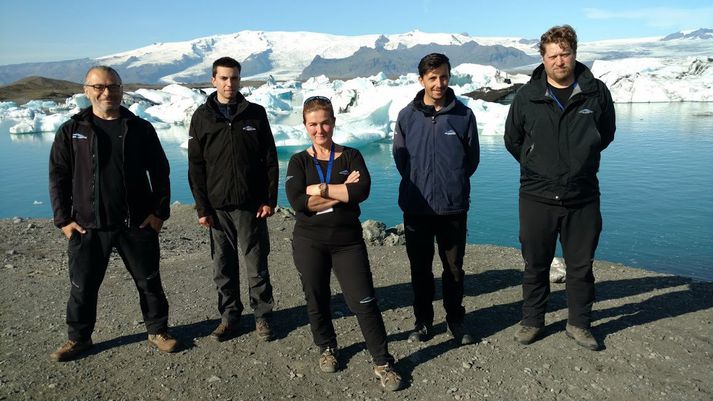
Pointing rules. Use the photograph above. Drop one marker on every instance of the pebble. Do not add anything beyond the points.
(11, 252)
(9, 266)
(213, 379)
(17, 220)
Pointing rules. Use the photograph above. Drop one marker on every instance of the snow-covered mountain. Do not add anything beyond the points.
(282, 55)
(293, 55)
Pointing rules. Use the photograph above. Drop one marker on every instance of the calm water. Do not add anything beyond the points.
(656, 180)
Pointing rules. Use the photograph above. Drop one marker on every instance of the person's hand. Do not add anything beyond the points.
(152, 221)
(72, 227)
(313, 190)
(264, 211)
(206, 221)
(353, 177)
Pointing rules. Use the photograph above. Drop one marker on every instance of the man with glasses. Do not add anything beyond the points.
(558, 124)
(109, 185)
(233, 174)
(436, 151)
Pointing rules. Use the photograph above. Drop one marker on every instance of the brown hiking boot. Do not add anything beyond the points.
(163, 341)
(263, 329)
(390, 380)
(527, 335)
(224, 332)
(328, 360)
(583, 337)
(70, 350)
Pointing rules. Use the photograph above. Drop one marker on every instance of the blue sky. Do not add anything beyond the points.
(45, 30)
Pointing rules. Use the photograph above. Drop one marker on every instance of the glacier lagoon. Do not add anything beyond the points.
(656, 181)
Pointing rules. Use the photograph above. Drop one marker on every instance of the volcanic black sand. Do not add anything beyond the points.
(656, 331)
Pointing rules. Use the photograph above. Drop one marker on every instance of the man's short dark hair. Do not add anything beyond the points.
(559, 34)
(431, 62)
(225, 62)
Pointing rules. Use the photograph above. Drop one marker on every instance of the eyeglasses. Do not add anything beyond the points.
(100, 88)
(317, 98)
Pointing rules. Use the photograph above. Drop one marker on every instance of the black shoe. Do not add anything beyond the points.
(420, 333)
(460, 336)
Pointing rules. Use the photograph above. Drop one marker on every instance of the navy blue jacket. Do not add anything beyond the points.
(436, 153)
(559, 150)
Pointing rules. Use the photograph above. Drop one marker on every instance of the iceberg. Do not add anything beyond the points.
(367, 108)
(646, 80)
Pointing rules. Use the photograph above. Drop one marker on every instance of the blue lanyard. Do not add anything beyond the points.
(553, 96)
(330, 163)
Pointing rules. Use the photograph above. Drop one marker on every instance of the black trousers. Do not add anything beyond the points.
(315, 261)
(578, 228)
(449, 232)
(233, 227)
(88, 259)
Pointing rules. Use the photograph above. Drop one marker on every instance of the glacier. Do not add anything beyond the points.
(367, 108)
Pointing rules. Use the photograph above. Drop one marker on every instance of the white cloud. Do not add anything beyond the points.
(658, 17)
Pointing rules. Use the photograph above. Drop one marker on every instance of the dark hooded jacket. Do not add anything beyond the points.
(74, 176)
(232, 161)
(436, 153)
(559, 150)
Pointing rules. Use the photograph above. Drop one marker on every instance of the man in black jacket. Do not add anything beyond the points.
(557, 127)
(233, 174)
(109, 185)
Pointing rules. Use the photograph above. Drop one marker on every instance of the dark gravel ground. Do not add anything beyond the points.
(657, 332)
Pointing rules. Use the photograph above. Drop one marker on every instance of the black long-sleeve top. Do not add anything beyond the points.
(341, 226)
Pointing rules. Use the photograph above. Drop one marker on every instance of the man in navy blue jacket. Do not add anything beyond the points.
(436, 151)
(558, 124)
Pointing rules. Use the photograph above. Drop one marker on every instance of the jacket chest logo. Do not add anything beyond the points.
(585, 111)
(450, 132)
(249, 128)
(77, 135)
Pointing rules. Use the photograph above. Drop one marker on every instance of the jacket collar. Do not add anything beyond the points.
(430, 110)
(537, 87)
(211, 104)
(85, 116)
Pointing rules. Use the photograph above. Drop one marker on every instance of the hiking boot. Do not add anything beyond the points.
(420, 333)
(70, 350)
(263, 330)
(163, 341)
(224, 332)
(460, 336)
(527, 335)
(583, 337)
(390, 380)
(328, 360)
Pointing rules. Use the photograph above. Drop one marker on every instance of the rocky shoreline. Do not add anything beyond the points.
(656, 331)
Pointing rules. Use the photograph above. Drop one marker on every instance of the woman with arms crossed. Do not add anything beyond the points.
(325, 184)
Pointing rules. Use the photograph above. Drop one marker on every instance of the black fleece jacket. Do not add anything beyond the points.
(74, 175)
(232, 162)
